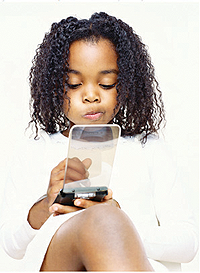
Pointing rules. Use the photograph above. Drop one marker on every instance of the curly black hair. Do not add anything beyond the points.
(141, 106)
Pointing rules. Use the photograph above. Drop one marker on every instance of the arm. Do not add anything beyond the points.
(150, 193)
(19, 224)
(175, 239)
(38, 214)
(27, 182)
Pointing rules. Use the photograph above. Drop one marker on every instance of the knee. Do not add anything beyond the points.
(98, 227)
(106, 227)
(103, 219)
(93, 222)
(99, 222)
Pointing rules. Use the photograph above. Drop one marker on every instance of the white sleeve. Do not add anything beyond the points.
(15, 238)
(15, 231)
(22, 189)
(175, 239)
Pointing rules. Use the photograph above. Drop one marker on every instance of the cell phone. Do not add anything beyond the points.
(99, 143)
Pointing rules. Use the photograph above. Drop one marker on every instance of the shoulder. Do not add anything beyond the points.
(29, 146)
(155, 149)
(42, 138)
(153, 142)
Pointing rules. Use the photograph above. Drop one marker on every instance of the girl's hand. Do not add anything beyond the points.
(41, 210)
(77, 170)
(83, 204)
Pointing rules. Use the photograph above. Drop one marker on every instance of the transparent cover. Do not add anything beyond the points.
(98, 143)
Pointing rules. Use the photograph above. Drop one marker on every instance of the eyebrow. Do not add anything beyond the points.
(74, 72)
(109, 71)
(104, 72)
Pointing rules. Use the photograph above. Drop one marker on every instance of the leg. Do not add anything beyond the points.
(101, 238)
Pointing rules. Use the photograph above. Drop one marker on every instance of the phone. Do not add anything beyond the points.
(98, 143)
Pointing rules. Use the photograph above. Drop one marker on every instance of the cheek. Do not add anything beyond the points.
(115, 104)
(66, 106)
(114, 100)
(117, 110)
(111, 105)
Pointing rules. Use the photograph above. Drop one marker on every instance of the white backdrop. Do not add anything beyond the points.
(171, 32)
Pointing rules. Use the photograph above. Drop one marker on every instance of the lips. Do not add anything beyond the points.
(93, 115)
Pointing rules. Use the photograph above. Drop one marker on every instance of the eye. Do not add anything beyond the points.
(107, 86)
(73, 86)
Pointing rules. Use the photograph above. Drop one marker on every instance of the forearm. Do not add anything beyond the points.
(38, 214)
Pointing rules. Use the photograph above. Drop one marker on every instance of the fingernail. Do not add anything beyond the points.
(54, 209)
(77, 202)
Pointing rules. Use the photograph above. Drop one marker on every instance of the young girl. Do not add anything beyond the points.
(96, 71)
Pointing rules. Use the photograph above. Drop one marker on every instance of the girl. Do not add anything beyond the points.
(96, 71)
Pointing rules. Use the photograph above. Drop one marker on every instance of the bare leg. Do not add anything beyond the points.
(101, 238)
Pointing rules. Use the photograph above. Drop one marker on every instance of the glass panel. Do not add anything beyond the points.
(98, 143)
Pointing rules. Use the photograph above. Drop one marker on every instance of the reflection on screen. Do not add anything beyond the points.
(97, 142)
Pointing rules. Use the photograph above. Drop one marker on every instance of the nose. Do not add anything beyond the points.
(91, 95)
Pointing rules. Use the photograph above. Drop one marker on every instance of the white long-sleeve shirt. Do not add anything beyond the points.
(143, 182)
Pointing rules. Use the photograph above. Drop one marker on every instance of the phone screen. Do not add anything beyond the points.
(98, 143)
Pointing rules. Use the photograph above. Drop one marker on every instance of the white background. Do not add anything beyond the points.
(171, 31)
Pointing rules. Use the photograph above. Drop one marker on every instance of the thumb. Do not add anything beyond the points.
(87, 162)
(109, 195)
(57, 209)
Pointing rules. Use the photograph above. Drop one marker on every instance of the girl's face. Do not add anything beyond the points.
(92, 83)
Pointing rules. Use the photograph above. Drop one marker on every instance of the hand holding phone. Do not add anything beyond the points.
(77, 171)
(79, 204)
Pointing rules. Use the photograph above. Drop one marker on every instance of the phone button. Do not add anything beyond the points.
(85, 195)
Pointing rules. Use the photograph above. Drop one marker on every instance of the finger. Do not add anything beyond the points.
(52, 192)
(58, 176)
(76, 164)
(59, 167)
(57, 209)
(87, 162)
(56, 183)
(84, 203)
(76, 170)
(73, 175)
(109, 195)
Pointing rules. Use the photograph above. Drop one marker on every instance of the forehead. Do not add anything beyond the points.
(99, 54)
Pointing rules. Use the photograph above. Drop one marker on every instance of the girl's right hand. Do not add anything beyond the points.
(76, 170)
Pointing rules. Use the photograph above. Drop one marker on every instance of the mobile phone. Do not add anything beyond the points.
(99, 143)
